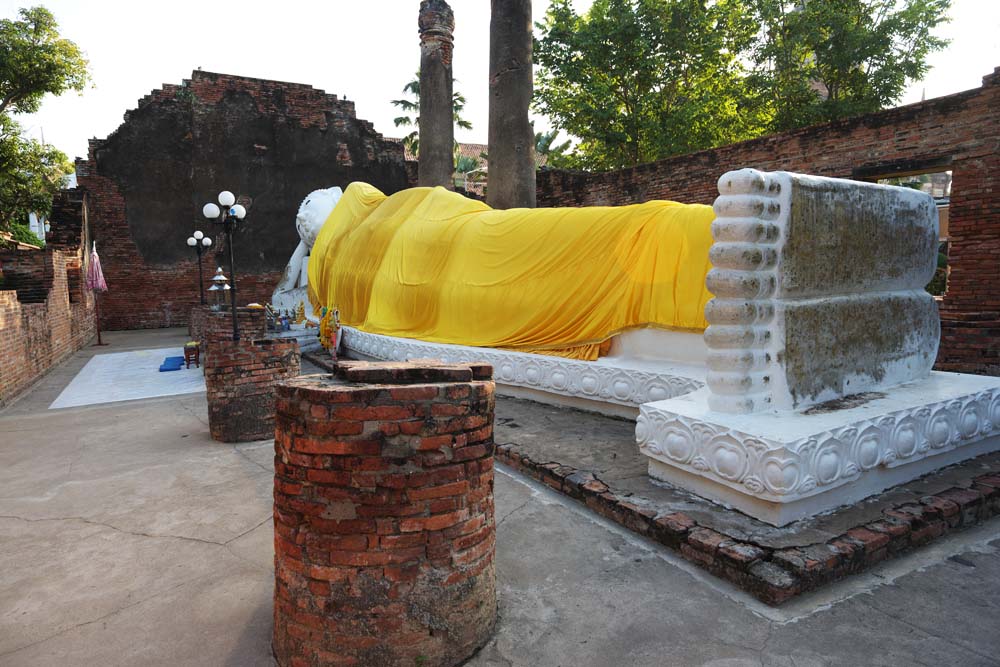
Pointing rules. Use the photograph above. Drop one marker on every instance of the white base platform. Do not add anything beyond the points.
(611, 385)
(307, 337)
(782, 467)
(129, 376)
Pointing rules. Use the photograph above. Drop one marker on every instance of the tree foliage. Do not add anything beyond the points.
(34, 61)
(19, 231)
(550, 153)
(464, 164)
(822, 60)
(30, 174)
(640, 80)
(411, 107)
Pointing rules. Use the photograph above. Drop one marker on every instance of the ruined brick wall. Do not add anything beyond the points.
(271, 141)
(959, 132)
(39, 325)
(45, 312)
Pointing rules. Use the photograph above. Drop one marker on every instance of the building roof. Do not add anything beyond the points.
(474, 151)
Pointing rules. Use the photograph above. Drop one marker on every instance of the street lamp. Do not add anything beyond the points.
(200, 242)
(228, 216)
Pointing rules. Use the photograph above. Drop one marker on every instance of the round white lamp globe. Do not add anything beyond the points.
(239, 211)
(198, 235)
(206, 241)
(226, 198)
(210, 211)
(192, 241)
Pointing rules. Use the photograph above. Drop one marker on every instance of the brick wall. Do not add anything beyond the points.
(384, 529)
(270, 141)
(958, 132)
(45, 313)
(45, 328)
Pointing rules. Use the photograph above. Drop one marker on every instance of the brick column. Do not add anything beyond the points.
(383, 515)
(239, 381)
(196, 322)
(217, 325)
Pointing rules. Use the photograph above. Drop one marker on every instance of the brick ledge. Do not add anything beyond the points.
(776, 575)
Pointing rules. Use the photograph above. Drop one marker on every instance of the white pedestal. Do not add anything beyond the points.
(782, 467)
(610, 385)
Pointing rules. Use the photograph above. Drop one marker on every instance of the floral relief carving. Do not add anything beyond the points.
(566, 377)
(786, 471)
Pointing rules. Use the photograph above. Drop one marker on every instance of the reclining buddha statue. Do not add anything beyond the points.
(733, 334)
(431, 265)
(291, 291)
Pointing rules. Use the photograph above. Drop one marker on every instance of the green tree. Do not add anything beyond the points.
(34, 61)
(30, 174)
(640, 80)
(411, 107)
(464, 164)
(555, 154)
(820, 60)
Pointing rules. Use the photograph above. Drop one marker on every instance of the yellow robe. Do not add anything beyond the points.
(429, 264)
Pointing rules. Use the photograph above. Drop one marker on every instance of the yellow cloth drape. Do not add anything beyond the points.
(429, 264)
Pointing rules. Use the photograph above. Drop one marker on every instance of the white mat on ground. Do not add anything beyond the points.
(127, 376)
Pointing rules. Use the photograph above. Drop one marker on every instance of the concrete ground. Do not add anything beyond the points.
(129, 537)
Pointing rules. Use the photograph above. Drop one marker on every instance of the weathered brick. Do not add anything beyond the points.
(969, 502)
(740, 554)
(204, 109)
(705, 539)
(239, 385)
(367, 523)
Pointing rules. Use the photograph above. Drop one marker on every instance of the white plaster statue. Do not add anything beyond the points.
(812, 386)
(291, 289)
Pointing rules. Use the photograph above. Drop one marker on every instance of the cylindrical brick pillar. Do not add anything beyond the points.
(239, 380)
(383, 515)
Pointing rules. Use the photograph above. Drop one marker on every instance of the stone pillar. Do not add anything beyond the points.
(437, 124)
(383, 515)
(239, 381)
(511, 136)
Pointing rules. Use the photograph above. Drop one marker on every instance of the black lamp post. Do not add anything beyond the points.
(228, 216)
(200, 242)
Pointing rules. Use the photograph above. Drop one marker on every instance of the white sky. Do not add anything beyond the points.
(365, 50)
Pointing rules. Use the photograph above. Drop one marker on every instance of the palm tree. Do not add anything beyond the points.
(545, 147)
(412, 108)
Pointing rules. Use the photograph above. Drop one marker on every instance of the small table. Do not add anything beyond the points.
(192, 353)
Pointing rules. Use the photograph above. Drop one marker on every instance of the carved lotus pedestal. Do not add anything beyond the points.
(784, 466)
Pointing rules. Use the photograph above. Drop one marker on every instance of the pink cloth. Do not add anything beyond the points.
(95, 277)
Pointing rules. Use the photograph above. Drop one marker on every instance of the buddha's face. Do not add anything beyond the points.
(314, 211)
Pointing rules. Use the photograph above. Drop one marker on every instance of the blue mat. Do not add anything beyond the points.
(171, 364)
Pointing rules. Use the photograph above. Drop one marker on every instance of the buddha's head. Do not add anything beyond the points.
(314, 211)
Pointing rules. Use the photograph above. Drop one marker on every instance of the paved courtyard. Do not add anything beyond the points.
(129, 537)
